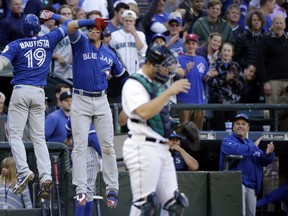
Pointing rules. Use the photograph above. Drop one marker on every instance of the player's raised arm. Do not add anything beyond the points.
(100, 23)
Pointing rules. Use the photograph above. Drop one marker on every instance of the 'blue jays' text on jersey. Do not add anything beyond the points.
(196, 93)
(91, 66)
(31, 57)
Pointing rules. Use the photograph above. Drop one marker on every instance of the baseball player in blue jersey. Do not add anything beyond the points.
(93, 63)
(94, 158)
(146, 152)
(31, 57)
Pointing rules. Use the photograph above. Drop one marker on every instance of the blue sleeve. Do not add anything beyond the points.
(94, 142)
(50, 125)
(68, 125)
(74, 37)
(231, 145)
(267, 159)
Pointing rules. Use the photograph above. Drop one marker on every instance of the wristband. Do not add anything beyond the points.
(56, 17)
(86, 22)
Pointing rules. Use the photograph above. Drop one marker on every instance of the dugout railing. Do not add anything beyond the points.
(258, 113)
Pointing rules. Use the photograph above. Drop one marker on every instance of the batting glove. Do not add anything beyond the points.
(101, 23)
(45, 15)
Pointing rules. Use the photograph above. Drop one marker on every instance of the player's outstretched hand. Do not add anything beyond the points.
(101, 23)
(45, 15)
(182, 85)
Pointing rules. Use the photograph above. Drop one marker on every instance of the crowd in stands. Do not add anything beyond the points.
(234, 38)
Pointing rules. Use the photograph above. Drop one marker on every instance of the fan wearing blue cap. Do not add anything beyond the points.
(251, 165)
(182, 160)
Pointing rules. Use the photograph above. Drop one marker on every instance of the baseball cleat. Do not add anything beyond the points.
(112, 198)
(45, 187)
(81, 199)
(22, 182)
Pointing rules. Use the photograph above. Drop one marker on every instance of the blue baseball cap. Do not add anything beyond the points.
(242, 116)
(65, 95)
(158, 35)
(175, 135)
(175, 16)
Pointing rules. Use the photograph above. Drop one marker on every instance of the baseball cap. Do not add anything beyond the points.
(175, 135)
(193, 37)
(175, 16)
(158, 35)
(65, 95)
(106, 32)
(129, 2)
(129, 14)
(241, 116)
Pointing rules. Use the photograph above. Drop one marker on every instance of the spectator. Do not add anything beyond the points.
(253, 160)
(248, 45)
(280, 9)
(117, 20)
(3, 9)
(129, 43)
(171, 5)
(62, 53)
(194, 10)
(210, 49)
(55, 122)
(11, 26)
(9, 200)
(224, 85)
(159, 22)
(267, 7)
(233, 16)
(252, 89)
(49, 25)
(100, 5)
(33, 7)
(2, 104)
(195, 68)
(182, 160)
(173, 41)
(213, 23)
(273, 61)
(60, 87)
(143, 21)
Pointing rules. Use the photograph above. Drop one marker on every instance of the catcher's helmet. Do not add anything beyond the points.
(31, 25)
(161, 57)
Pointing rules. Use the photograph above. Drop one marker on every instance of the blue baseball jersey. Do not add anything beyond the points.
(91, 65)
(31, 57)
(55, 130)
(196, 93)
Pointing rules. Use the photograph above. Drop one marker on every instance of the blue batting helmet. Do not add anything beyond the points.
(31, 25)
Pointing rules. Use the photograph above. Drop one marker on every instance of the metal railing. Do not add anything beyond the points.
(272, 108)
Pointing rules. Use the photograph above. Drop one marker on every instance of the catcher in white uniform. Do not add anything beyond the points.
(146, 152)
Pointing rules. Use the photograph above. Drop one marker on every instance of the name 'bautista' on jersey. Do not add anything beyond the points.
(35, 43)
